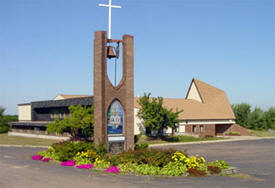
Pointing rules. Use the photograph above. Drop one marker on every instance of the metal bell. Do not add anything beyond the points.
(111, 52)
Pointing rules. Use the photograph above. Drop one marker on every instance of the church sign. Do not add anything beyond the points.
(115, 118)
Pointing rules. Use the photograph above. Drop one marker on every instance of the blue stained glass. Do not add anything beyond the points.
(115, 118)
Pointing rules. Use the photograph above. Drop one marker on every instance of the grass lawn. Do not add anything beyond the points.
(19, 140)
(263, 133)
(170, 139)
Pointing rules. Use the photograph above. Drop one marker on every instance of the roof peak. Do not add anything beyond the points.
(202, 82)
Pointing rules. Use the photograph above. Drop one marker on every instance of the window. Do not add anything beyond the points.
(115, 118)
(177, 129)
(194, 127)
(201, 128)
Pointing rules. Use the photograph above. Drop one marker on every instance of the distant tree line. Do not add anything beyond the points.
(4, 120)
(256, 119)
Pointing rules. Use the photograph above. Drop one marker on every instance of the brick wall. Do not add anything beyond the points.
(208, 130)
(217, 130)
(237, 128)
(188, 129)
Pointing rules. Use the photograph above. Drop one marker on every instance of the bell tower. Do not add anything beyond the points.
(113, 104)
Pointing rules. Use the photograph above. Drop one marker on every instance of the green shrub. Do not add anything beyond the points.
(4, 129)
(145, 169)
(100, 150)
(65, 151)
(173, 169)
(154, 157)
(220, 164)
(81, 160)
(141, 146)
(233, 133)
(128, 167)
(49, 153)
(86, 157)
(5, 120)
(137, 137)
(112, 158)
(203, 167)
(101, 163)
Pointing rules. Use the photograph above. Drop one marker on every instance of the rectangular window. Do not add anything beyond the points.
(177, 129)
(201, 128)
(194, 127)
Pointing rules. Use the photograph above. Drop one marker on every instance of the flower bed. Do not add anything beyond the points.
(140, 162)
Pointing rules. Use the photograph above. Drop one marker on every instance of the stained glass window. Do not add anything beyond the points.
(115, 118)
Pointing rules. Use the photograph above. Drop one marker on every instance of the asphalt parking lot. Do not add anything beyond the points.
(254, 157)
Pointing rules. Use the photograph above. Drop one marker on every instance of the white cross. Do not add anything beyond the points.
(110, 15)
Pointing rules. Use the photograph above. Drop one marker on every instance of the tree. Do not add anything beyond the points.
(155, 117)
(171, 119)
(256, 119)
(270, 118)
(2, 111)
(79, 124)
(4, 121)
(242, 112)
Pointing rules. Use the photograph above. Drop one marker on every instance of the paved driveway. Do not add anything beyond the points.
(252, 157)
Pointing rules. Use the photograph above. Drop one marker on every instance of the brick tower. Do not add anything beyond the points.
(114, 105)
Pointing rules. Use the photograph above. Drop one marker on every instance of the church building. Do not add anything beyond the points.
(206, 112)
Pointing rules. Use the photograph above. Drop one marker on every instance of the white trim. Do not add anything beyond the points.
(205, 122)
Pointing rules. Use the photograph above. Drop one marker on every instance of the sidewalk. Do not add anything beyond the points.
(22, 146)
(231, 139)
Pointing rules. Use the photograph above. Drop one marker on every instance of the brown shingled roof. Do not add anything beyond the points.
(215, 104)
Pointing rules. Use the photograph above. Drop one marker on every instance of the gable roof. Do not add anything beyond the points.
(193, 92)
(214, 106)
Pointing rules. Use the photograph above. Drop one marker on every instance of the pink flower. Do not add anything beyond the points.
(46, 160)
(112, 169)
(37, 157)
(67, 163)
(85, 166)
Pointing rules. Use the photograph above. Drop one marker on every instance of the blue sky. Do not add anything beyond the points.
(46, 47)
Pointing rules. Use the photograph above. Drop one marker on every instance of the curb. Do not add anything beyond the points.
(166, 144)
(209, 142)
(28, 135)
(22, 146)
